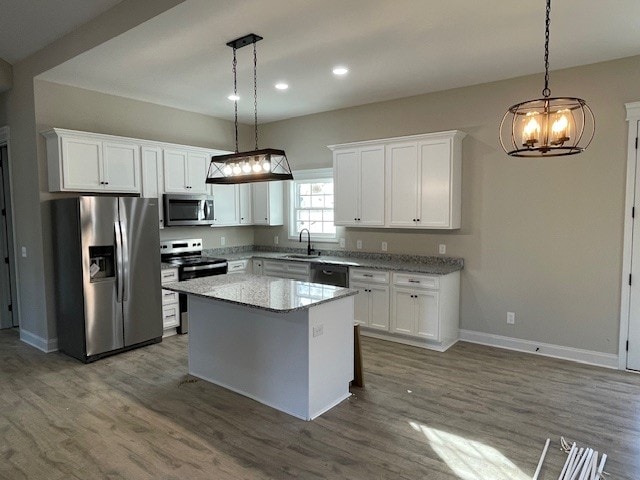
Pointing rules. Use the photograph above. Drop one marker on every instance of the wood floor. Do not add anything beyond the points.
(473, 412)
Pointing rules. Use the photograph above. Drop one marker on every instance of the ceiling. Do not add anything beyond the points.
(26, 26)
(393, 49)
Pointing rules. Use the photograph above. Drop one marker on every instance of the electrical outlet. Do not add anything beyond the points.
(275, 239)
(359, 244)
(511, 318)
(342, 243)
(223, 241)
(318, 330)
(442, 249)
(384, 246)
(24, 252)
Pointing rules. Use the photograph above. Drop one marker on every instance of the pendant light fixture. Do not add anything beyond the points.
(257, 165)
(548, 126)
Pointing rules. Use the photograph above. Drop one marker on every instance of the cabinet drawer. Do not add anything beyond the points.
(170, 316)
(416, 281)
(169, 297)
(288, 267)
(169, 275)
(237, 266)
(368, 276)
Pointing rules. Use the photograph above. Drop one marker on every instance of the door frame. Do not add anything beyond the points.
(633, 119)
(13, 267)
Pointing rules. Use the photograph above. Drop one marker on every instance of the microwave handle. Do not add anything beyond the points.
(206, 209)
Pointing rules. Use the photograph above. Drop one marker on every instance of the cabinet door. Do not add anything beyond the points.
(150, 172)
(121, 167)
(197, 165)
(82, 164)
(371, 186)
(175, 171)
(379, 307)
(346, 183)
(256, 267)
(361, 303)
(427, 315)
(435, 184)
(402, 174)
(245, 195)
(260, 200)
(403, 311)
(226, 206)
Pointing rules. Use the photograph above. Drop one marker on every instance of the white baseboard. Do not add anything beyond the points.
(607, 360)
(438, 347)
(47, 346)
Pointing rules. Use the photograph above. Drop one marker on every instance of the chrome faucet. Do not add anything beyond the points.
(309, 249)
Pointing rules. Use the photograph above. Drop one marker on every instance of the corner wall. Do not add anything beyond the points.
(540, 237)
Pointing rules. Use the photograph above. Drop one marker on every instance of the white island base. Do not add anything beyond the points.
(299, 362)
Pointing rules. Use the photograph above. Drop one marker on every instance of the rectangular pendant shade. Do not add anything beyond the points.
(266, 165)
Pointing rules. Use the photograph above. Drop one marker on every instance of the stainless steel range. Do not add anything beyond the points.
(187, 256)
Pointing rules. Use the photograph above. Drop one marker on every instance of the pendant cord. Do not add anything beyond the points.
(235, 95)
(546, 92)
(255, 92)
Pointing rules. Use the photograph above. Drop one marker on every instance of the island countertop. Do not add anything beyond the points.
(279, 295)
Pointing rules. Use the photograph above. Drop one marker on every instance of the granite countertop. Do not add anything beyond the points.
(405, 263)
(273, 294)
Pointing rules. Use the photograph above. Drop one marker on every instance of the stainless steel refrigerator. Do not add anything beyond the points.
(107, 267)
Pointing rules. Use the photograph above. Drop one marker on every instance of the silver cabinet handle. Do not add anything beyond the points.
(413, 281)
(367, 275)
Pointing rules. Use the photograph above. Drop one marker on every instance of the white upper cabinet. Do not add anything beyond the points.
(402, 182)
(245, 197)
(268, 203)
(84, 162)
(358, 177)
(424, 179)
(226, 205)
(185, 171)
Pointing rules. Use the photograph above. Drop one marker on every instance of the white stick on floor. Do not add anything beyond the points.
(601, 467)
(594, 466)
(574, 475)
(541, 461)
(570, 455)
(574, 462)
(586, 468)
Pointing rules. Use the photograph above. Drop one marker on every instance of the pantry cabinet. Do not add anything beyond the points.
(359, 186)
(81, 162)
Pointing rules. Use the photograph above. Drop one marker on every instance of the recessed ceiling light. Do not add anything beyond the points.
(233, 98)
(282, 86)
(340, 70)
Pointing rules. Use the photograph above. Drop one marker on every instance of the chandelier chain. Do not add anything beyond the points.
(255, 92)
(546, 92)
(235, 93)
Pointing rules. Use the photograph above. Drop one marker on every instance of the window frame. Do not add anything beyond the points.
(308, 176)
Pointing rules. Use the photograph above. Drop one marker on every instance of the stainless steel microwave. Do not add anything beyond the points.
(183, 210)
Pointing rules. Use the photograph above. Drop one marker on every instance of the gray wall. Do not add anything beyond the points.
(3, 109)
(35, 307)
(6, 75)
(542, 238)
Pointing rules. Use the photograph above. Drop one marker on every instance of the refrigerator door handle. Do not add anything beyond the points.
(119, 267)
(125, 262)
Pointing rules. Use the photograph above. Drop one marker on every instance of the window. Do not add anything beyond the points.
(311, 204)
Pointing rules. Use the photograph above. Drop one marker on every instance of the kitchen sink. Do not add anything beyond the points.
(302, 256)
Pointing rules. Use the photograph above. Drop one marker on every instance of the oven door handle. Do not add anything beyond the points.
(204, 267)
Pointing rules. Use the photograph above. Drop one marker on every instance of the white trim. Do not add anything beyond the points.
(600, 359)
(47, 346)
(449, 134)
(5, 137)
(306, 176)
(633, 117)
(414, 342)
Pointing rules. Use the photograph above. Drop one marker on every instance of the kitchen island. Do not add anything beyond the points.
(285, 343)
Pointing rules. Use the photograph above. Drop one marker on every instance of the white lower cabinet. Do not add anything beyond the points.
(415, 312)
(170, 302)
(372, 303)
(286, 269)
(238, 266)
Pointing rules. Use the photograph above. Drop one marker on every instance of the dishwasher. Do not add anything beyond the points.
(337, 275)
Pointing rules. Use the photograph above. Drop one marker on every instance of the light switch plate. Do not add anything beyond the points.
(359, 244)
(24, 252)
(342, 243)
(442, 249)
(275, 239)
(223, 241)
(384, 246)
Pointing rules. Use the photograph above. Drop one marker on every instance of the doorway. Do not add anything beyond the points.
(8, 319)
